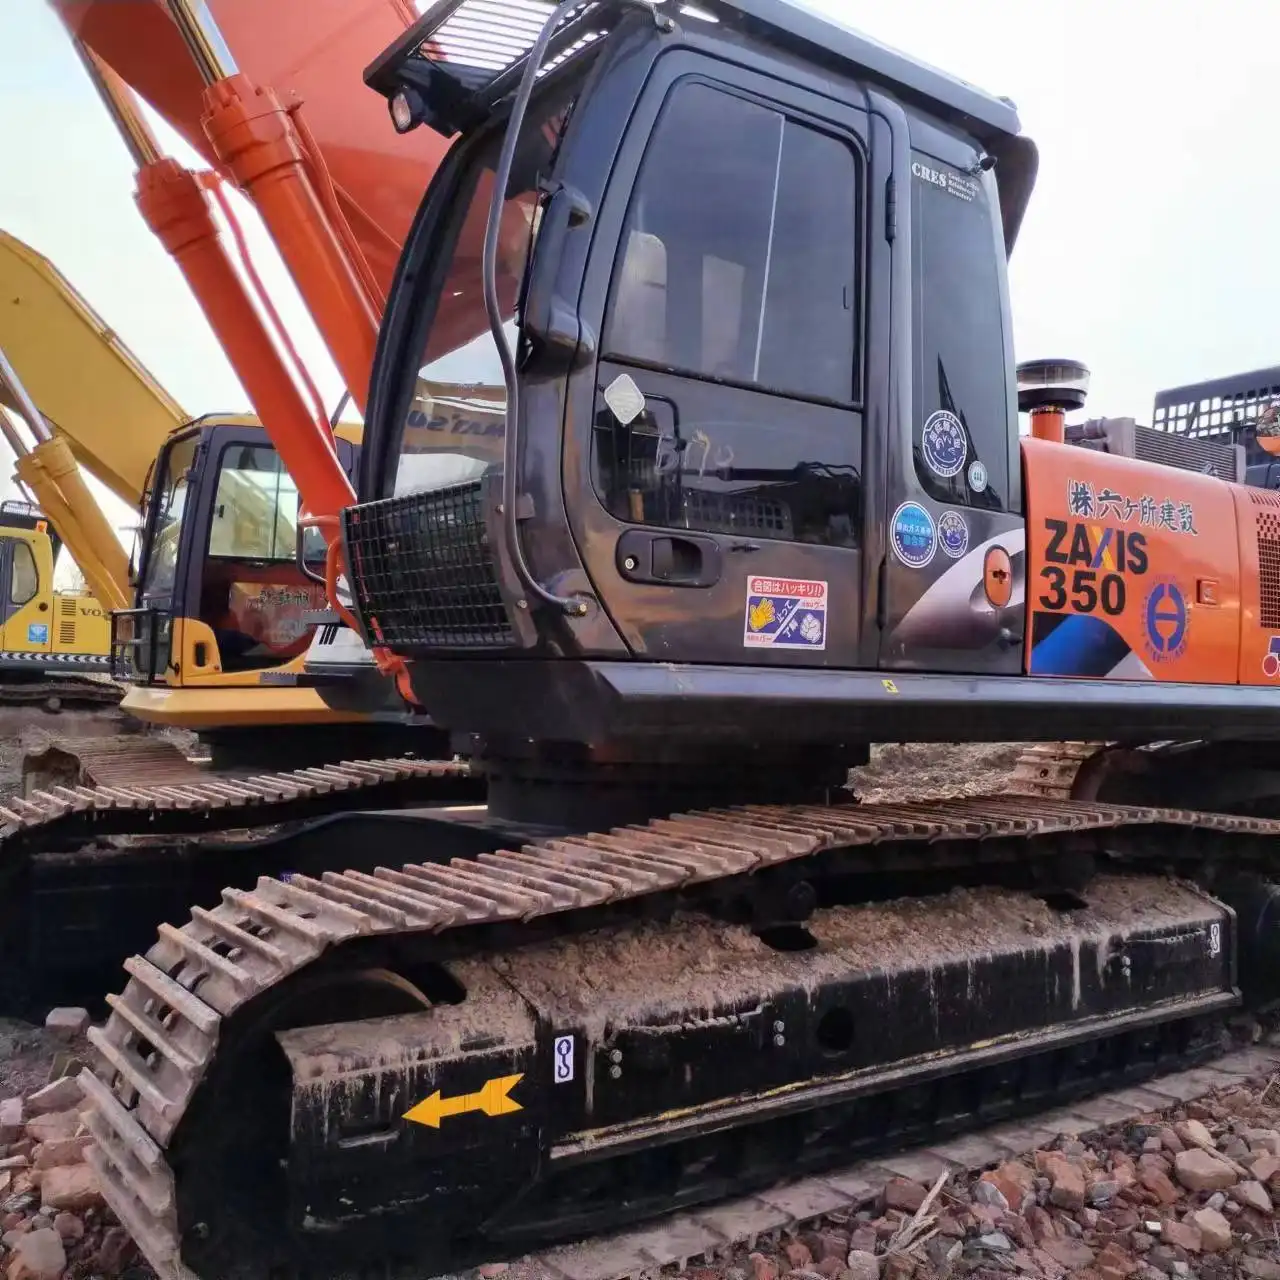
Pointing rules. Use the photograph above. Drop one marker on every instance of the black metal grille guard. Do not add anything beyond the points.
(422, 572)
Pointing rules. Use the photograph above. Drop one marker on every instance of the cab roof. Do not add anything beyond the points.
(822, 39)
(460, 60)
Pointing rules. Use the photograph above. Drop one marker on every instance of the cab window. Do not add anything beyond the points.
(962, 427)
(160, 558)
(24, 580)
(735, 299)
(735, 265)
(252, 594)
(255, 513)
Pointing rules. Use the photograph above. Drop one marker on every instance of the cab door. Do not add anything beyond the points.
(714, 445)
(26, 577)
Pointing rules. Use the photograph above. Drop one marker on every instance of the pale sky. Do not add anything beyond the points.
(1148, 251)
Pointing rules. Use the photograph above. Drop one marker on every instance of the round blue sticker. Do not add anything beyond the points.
(977, 475)
(944, 444)
(913, 534)
(953, 534)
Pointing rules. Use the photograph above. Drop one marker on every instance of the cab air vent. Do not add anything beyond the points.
(67, 622)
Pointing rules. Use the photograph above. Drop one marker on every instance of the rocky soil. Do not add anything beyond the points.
(1189, 1192)
(53, 1222)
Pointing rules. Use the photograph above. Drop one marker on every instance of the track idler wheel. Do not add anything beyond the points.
(234, 1204)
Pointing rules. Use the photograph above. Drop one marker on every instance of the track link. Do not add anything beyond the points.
(70, 692)
(180, 803)
(163, 1031)
(118, 760)
(1049, 769)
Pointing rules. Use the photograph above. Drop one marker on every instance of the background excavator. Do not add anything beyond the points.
(215, 604)
(208, 621)
(272, 103)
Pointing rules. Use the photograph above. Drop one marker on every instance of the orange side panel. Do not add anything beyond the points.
(1258, 519)
(1133, 570)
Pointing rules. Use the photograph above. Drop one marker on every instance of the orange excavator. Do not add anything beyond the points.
(738, 277)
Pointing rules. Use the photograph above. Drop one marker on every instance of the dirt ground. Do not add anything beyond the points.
(925, 771)
(27, 1055)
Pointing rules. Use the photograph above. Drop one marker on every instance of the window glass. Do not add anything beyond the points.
(739, 258)
(738, 265)
(961, 391)
(25, 580)
(161, 558)
(455, 425)
(255, 514)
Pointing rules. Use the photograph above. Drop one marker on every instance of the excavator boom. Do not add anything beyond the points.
(113, 414)
(255, 92)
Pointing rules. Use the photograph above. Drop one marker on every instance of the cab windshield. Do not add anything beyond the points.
(455, 425)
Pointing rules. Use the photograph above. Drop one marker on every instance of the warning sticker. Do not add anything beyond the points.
(788, 613)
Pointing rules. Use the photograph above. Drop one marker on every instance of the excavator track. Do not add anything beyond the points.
(113, 834)
(66, 693)
(191, 992)
(118, 760)
(186, 803)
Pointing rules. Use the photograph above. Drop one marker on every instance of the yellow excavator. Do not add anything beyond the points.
(51, 639)
(239, 582)
(217, 624)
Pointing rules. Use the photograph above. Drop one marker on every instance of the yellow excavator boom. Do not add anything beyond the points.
(112, 414)
(96, 405)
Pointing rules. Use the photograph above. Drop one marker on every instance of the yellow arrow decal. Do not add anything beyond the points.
(493, 1100)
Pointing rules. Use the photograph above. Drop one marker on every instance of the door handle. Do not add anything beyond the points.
(669, 559)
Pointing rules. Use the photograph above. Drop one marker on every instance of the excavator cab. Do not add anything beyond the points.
(744, 296)
(223, 592)
(43, 630)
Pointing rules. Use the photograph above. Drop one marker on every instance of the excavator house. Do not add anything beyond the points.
(762, 502)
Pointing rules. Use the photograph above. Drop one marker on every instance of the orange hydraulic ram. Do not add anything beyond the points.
(174, 205)
(255, 138)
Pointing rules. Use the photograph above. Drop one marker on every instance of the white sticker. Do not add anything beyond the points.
(563, 1059)
(953, 534)
(624, 398)
(977, 476)
(1215, 939)
(944, 444)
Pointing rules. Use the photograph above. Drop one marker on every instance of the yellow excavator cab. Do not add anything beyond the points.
(213, 616)
(42, 629)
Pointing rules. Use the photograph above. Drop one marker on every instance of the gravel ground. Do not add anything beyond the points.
(925, 771)
(1187, 1192)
